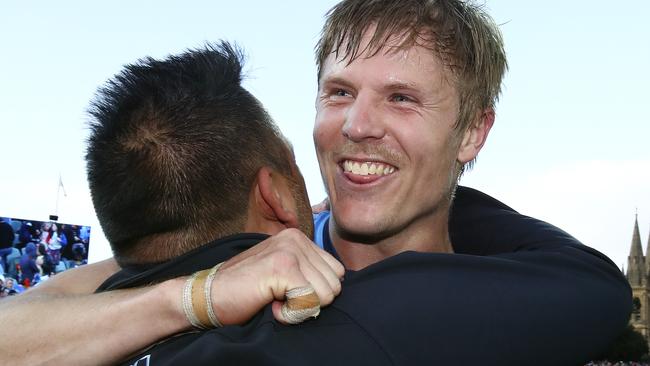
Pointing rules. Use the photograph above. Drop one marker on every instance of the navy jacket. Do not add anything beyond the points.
(517, 292)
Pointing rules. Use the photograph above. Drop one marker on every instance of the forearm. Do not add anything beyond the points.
(96, 329)
(82, 280)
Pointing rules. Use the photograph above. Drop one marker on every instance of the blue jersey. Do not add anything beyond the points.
(321, 233)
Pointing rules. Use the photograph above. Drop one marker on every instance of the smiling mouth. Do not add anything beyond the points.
(367, 168)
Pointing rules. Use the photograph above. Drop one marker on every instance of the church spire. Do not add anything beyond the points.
(647, 271)
(636, 269)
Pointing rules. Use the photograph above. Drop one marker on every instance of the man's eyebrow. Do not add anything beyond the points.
(391, 86)
(399, 85)
(337, 80)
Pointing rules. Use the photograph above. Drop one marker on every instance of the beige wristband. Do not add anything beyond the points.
(208, 295)
(197, 299)
(199, 302)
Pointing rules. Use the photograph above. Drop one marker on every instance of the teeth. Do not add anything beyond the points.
(367, 168)
(364, 169)
(356, 169)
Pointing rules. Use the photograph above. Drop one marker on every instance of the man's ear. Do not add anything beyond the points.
(475, 136)
(273, 198)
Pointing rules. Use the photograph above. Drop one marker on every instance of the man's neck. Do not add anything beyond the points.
(426, 235)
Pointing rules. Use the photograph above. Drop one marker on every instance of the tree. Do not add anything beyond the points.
(629, 346)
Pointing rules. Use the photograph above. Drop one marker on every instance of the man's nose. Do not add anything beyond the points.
(363, 120)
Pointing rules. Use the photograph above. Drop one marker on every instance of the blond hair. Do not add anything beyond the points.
(460, 34)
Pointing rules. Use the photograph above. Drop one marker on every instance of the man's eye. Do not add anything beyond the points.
(400, 98)
(341, 93)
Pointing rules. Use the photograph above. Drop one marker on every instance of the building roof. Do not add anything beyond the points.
(636, 268)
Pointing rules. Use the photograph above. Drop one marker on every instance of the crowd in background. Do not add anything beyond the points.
(32, 251)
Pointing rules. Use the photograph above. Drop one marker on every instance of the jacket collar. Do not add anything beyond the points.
(197, 259)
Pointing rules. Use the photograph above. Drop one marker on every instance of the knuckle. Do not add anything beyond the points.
(340, 270)
(337, 287)
(283, 259)
(291, 230)
(327, 298)
(294, 240)
(295, 234)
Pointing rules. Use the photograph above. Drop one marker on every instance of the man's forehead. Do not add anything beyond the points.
(397, 45)
(374, 42)
(392, 68)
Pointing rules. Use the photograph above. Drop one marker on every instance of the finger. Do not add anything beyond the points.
(290, 307)
(332, 262)
(325, 288)
(276, 309)
(240, 291)
(296, 240)
(301, 304)
(331, 268)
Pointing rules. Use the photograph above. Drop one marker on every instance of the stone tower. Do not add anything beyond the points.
(638, 270)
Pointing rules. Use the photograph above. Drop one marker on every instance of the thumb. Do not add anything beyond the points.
(300, 304)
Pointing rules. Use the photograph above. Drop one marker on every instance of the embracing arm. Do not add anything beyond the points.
(81, 280)
(557, 305)
(521, 291)
(91, 329)
(105, 328)
(101, 325)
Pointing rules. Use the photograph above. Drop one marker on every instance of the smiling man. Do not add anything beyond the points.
(406, 99)
(389, 150)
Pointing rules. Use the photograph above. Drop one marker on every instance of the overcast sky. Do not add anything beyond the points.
(570, 144)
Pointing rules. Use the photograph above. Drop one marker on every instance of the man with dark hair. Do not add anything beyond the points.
(166, 163)
(181, 161)
(406, 97)
(168, 134)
